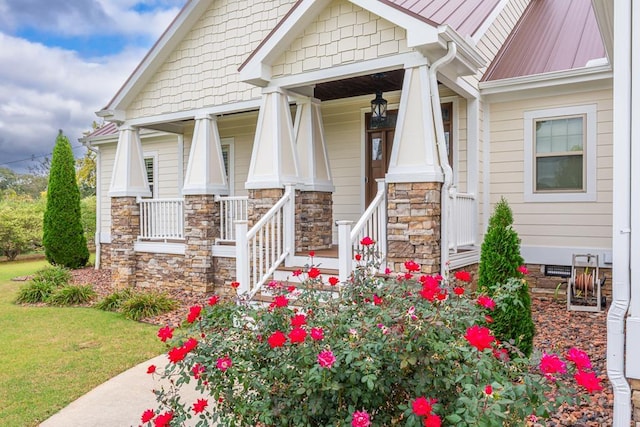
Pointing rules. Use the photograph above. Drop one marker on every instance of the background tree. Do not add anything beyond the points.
(86, 174)
(20, 225)
(500, 278)
(64, 240)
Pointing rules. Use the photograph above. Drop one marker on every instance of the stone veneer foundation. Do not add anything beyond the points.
(413, 227)
(201, 219)
(314, 216)
(125, 227)
(635, 400)
(260, 201)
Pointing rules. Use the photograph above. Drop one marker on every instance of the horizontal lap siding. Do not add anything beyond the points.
(569, 224)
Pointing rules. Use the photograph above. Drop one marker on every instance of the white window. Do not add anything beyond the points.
(560, 154)
(151, 168)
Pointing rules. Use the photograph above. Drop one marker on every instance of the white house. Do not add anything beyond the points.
(256, 131)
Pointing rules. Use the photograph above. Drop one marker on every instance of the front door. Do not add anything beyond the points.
(377, 154)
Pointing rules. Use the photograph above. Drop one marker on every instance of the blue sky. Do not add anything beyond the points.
(63, 60)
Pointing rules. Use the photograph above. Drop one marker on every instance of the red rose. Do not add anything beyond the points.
(281, 301)
(147, 416)
(333, 281)
(458, 290)
(199, 406)
(486, 302)
(176, 354)
(151, 369)
(165, 333)
(194, 313)
(277, 339)
(580, 358)
(432, 421)
(312, 254)
(326, 359)
(235, 285)
(422, 406)
(412, 266)
(358, 257)
(298, 320)
(479, 337)
(197, 370)
(190, 344)
(297, 335)
(214, 300)
(313, 273)
(588, 380)
(317, 334)
(377, 300)
(488, 389)
(463, 276)
(551, 364)
(163, 420)
(367, 241)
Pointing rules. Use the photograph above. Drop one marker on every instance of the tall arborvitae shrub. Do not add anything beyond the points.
(500, 253)
(500, 278)
(64, 240)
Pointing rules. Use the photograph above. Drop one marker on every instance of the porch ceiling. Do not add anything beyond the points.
(361, 85)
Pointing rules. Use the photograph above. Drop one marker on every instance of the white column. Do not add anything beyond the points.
(274, 159)
(315, 171)
(414, 156)
(129, 177)
(205, 169)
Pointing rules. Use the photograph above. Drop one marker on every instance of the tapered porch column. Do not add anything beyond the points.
(274, 159)
(314, 202)
(205, 177)
(128, 182)
(414, 178)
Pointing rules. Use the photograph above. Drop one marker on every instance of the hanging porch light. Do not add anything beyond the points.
(378, 111)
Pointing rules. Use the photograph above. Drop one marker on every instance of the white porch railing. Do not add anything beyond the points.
(463, 220)
(161, 219)
(232, 209)
(262, 249)
(373, 223)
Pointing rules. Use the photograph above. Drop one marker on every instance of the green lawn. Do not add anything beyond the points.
(51, 356)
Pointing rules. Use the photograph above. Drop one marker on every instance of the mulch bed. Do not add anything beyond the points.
(557, 330)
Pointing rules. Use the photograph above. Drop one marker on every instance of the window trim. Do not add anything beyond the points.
(153, 155)
(589, 194)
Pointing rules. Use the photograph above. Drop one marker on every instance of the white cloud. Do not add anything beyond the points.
(45, 89)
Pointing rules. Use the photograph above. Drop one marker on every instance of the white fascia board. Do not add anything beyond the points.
(360, 68)
(112, 115)
(257, 69)
(172, 36)
(216, 110)
(591, 78)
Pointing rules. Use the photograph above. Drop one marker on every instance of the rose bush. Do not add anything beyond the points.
(411, 350)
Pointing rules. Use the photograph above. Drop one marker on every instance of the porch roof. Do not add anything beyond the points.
(551, 35)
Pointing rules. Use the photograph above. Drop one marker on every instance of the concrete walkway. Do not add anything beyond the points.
(118, 402)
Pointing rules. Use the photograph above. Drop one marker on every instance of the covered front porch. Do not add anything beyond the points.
(324, 167)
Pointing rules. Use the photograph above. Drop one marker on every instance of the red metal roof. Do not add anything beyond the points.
(464, 16)
(552, 35)
(108, 129)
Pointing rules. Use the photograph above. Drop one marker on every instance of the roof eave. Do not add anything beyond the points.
(574, 79)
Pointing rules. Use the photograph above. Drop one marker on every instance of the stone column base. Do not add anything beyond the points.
(635, 400)
(413, 225)
(260, 201)
(201, 222)
(125, 227)
(314, 220)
